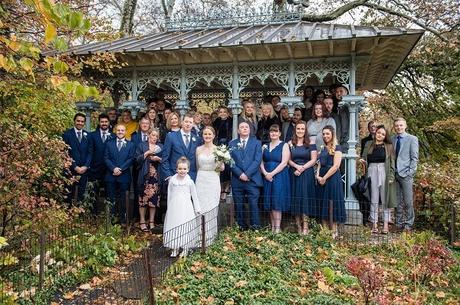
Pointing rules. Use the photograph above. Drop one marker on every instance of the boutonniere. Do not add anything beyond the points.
(264, 147)
(193, 139)
(321, 148)
(85, 134)
(239, 145)
(124, 144)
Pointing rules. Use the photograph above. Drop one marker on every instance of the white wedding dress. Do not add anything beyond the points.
(208, 191)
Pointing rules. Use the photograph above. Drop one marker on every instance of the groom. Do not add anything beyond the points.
(246, 180)
(182, 143)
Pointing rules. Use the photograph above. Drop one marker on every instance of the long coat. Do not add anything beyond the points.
(390, 184)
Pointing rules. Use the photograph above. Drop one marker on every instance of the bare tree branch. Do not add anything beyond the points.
(334, 14)
(399, 14)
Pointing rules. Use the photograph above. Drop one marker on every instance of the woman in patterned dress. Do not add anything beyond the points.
(148, 158)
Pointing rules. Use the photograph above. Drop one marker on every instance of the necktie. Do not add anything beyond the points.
(144, 137)
(398, 147)
(187, 140)
(244, 143)
(104, 136)
(120, 144)
(79, 136)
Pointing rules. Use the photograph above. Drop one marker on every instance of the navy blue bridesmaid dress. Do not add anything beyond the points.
(277, 193)
(303, 186)
(331, 195)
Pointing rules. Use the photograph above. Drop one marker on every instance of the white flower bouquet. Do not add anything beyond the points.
(222, 154)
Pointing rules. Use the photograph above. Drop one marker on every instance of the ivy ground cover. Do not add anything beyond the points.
(258, 267)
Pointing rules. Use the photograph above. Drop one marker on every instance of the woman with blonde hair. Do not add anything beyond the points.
(148, 158)
(330, 185)
(268, 119)
(249, 116)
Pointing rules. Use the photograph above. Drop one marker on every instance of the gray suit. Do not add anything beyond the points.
(406, 166)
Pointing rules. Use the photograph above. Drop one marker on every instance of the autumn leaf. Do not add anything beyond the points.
(323, 287)
(240, 284)
(50, 33)
(440, 294)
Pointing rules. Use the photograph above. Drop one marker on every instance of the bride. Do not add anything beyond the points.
(208, 182)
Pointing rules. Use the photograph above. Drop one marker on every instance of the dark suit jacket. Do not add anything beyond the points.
(122, 159)
(136, 138)
(97, 149)
(246, 161)
(79, 151)
(174, 148)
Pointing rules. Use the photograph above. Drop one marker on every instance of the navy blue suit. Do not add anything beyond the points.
(122, 159)
(174, 148)
(97, 150)
(97, 170)
(137, 139)
(81, 156)
(289, 133)
(246, 161)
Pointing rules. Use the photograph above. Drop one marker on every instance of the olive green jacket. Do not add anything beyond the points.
(390, 184)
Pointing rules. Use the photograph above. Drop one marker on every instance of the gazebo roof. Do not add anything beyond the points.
(379, 50)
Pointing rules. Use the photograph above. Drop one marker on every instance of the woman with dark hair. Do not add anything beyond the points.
(379, 156)
(151, 115)
(307, 101)
(275, 157)
(268, 119)
(303, 158)
(330, 185)
(318, 96)
(223, 126)
(320, 119)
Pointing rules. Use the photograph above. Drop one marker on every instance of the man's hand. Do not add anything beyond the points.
(243, 177)
(117, 171)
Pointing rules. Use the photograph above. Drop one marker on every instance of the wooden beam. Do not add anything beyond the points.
(250, 53)
(353, 45)
(269, 51)
(331, 48)
(289, 50)
(194, 56)
(210, 53)
(231, 53)
(310, 49)
(157, 56)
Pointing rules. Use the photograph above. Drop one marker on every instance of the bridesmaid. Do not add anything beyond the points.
(330, 190)
(303, 158)
(148, 158)
(275, 157)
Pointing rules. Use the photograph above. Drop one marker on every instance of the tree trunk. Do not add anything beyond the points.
(126, 26)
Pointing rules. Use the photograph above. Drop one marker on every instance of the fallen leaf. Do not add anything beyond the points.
(85, 287)
(69, 296)
(323, 287)
(440, 294)
(241, 283)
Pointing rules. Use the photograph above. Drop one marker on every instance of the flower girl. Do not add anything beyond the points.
(181, 230)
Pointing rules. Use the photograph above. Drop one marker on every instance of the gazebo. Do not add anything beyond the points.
(221, 61)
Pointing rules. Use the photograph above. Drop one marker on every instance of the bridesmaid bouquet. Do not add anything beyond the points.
(222, 154)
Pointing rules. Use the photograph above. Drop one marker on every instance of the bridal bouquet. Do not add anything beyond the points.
(222, 154)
